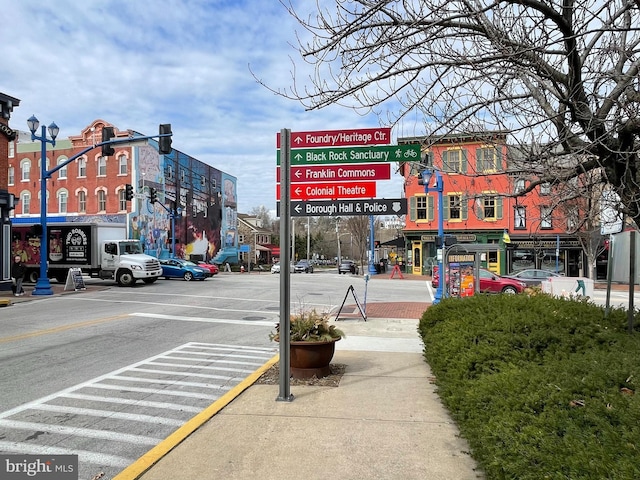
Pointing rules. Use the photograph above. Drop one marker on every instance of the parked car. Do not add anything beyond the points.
(275, 268)
(211, 267)
(348, 266)
(489, 282)
(303, 266)
(179, 268)
(533, 276)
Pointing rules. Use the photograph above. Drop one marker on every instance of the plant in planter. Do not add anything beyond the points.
(312, 343)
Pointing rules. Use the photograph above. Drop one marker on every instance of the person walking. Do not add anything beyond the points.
(18, 270)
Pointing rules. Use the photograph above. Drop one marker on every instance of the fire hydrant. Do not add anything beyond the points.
(241, 268)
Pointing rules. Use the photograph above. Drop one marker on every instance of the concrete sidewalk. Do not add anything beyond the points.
(384, 420)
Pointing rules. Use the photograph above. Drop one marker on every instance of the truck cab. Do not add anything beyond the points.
(124, 261)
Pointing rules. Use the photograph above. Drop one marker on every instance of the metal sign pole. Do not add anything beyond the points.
(285, 265)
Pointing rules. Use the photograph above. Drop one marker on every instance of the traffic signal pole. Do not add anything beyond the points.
(43, 286)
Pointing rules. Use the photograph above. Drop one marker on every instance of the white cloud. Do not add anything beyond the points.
(184, 62)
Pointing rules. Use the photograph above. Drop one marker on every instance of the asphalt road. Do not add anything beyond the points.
(109, 373)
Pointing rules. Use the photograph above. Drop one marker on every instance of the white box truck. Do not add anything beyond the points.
(99, 249)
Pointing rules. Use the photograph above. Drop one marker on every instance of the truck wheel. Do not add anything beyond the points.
(188, 276)
(125, 278)
(149, 281)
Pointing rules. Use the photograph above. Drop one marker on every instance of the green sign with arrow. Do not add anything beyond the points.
(373, 153)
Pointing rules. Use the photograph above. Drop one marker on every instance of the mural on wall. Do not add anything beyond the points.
(195, 193)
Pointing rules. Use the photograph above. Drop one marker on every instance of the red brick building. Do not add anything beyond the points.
(196, 211)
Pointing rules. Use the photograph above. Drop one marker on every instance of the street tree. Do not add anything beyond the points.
(560, 78)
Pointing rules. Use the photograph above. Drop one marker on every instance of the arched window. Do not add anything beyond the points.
(63, 198)
(25, 170)
(62, 173)
(25, 201)
(82, 201)
(82, 167)
(102, 201)
(122, 165)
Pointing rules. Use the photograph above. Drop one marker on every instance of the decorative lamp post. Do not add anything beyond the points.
(43, 286)
(438, 186)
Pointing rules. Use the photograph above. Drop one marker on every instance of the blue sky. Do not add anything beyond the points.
(186, 62)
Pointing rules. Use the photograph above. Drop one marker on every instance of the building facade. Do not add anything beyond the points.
(194, 217)
(7, 200)
(480, 205)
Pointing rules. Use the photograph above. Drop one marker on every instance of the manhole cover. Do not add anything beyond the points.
(254, 318)
(272, 308)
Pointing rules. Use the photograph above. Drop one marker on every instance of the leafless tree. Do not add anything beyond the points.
(561, 78)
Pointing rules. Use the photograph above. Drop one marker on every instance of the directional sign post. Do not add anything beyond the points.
(337, 138)
(340, 208)
(376, 153)
(338, 173)
(315, 191)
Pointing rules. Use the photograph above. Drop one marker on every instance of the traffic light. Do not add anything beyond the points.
(164, 143)
(153, 195)
(128, 192)
(107, 134)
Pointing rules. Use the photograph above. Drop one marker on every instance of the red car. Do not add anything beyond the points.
(212, 268)
(489, 282)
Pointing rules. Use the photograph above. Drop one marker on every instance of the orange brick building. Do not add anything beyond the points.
(479, 206)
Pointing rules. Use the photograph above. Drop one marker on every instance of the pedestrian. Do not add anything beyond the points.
(18, 270)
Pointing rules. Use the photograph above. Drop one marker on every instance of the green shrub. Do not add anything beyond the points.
(541, 387)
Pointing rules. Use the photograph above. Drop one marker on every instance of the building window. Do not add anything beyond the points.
(12, 149)
(82, 201)
(82, 167)
(168, 172)
(62, 201)
(454, 207)
(25, 201)
(122, 165)
(122, 199)
(102, 201)
(62, 173)
(25, 170)
(545, 189)
(520, 185)
(241, 238)
(489, 207)
(572, 219)
(488, 159)
(102, 166)
(12, 175)
(182, 175)
(545, 217)
(521, 218)
(454, 161)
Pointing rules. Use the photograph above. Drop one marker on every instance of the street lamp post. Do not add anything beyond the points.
(438, 187)
(43, 286)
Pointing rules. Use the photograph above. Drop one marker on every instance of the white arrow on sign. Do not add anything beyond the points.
(298, 173)
(298, 191)
(297, 208)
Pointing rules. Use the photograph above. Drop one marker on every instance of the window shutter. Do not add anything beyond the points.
(498, 154)
(464, 161)
(445, 208)
(464, 206)
(445, 161)
(430, 215)
(479, 202)
(498, 207)
(430, 158)
(479, 160)
(412, 209)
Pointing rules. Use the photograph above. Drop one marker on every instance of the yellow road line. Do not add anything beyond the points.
(63, 328)
(144, 463)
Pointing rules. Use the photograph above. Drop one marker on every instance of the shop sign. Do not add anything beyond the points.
(9, 133)
(459, 238)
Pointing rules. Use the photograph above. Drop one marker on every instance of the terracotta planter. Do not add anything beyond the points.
(310, 359)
